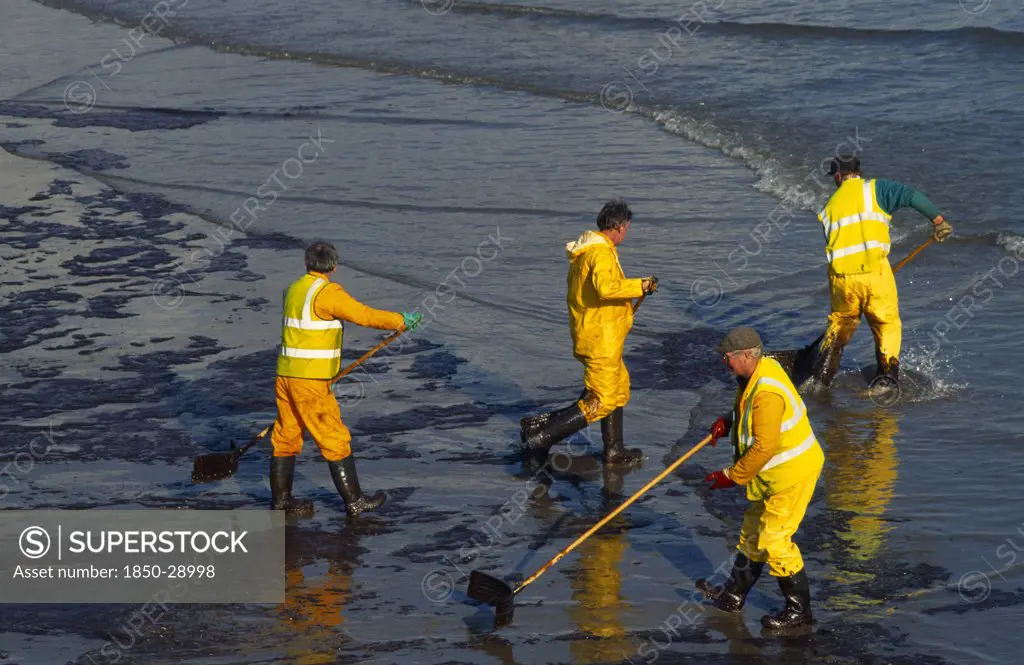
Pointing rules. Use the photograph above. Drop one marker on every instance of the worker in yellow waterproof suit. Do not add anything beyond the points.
(778, 459)
(856, 225)
(310, 357)
(599, 298)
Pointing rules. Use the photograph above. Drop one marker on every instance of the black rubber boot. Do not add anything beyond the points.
(559, 425)
(732, 596)
(887, 374)
(343, 473)
(282, 473)
(797, 611)
(530, 425)
(611, 434)
(826, 365)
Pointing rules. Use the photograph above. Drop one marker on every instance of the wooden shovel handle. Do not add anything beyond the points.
(363, 358)
(914, 253)
(256, 439)
(611, 515)
(351, 366)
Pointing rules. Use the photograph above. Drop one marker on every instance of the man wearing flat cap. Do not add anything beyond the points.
(856, 225)
(778, 459)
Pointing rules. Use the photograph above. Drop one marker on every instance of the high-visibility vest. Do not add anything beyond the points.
(799, 452)
(856, 228)
(310, 346)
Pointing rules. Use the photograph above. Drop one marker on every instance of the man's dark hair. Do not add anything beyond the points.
(321, 257)
(844, 164)
(613, 215)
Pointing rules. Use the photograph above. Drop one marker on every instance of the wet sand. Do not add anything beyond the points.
(127, 367)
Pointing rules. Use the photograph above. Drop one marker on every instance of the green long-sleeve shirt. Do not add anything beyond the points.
(895, 195)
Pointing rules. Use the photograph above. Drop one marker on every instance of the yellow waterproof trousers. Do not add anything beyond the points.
(607, 384)
(873, 295)
(308, 405)
(769, 524)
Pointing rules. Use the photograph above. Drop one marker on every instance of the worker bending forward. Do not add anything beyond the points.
(778, 459)
(856, 224)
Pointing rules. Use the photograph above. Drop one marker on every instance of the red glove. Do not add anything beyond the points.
(719, 481)
(719, 429)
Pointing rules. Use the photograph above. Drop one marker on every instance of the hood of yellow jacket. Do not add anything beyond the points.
(588, 239)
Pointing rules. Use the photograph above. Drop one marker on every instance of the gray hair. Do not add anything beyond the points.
(613, 215)
(321, 257)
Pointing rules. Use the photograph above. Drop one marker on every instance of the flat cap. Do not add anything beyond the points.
(739, 339)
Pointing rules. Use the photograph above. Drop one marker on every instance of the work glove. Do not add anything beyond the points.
(412, 321)
(650, 285)
(719, 429)
(719, 481)
(942, 230)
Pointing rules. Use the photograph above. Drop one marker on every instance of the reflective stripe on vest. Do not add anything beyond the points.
(309, 353)
(311, 325)
(798, 409)
(792, 453)
(795, 434)
(856, 228)
(857, 249)
(310, 346)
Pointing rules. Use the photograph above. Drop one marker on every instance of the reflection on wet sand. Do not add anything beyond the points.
(745, 649)
(310, 619)
(596, 581)
(860, 479)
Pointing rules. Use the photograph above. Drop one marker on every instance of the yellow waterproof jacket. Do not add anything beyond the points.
(312, 329)
(798, 453)
(856, 228)
(599, 297)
